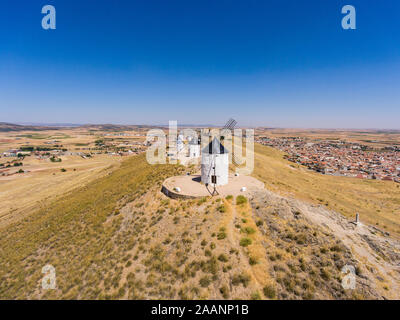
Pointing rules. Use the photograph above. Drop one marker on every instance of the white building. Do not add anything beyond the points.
(215, 164)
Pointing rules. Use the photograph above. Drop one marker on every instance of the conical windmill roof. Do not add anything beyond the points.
(215, 147)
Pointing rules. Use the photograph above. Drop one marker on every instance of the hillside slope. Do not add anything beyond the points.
(119, 237)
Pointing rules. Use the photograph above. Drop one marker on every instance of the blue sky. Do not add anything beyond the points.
(273, 63)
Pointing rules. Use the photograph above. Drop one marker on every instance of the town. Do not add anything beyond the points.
(338, 157)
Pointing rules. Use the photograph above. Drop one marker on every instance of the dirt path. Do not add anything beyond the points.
(258, 272)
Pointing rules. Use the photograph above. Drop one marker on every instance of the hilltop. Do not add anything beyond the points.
(119, 237)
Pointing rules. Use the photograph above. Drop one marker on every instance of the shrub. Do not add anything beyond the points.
(325, 274)
(244, 242)
(229, 197)
(241, 200)
(221, 209)
(249, 230)
(63, 170)
(223, 258)
(269, 291)
(255, 296)
(243, 279)
(205, 281)
(252, 261)
(336, 248)
(259, 223)
(224, 291)
(54, 159)
(221, 235)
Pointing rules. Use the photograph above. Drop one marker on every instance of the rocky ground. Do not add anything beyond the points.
(334, 241)
(263, 247)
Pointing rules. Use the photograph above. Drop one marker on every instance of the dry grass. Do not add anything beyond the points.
(77, 234)
(20, 194)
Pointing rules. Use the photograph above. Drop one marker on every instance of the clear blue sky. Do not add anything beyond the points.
(273, 63)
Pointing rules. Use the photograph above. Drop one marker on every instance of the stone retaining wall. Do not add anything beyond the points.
(176, 195)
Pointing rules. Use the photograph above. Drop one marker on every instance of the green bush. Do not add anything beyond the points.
(241, 200)
(221, 234)
(205, 282)
(249, 230)
(244, 242)
(241, 278)
(269, 291)
(255, 296)
(221, 208)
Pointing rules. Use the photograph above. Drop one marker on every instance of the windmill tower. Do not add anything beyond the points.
(215, 164)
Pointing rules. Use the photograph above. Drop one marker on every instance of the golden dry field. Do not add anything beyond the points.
(43, 180)
(371, 138)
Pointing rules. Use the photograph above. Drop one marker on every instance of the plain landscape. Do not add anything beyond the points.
(85, 200)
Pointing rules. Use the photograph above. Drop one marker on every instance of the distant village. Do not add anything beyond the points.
(340, 158)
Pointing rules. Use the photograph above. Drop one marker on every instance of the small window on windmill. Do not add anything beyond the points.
(214, 179)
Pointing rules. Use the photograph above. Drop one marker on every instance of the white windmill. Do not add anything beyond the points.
(215, 164)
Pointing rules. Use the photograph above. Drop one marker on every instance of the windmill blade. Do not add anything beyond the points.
(230, 124)
(236, 161)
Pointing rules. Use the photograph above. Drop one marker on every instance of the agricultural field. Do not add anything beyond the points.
(372, 138)
(53, 162)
